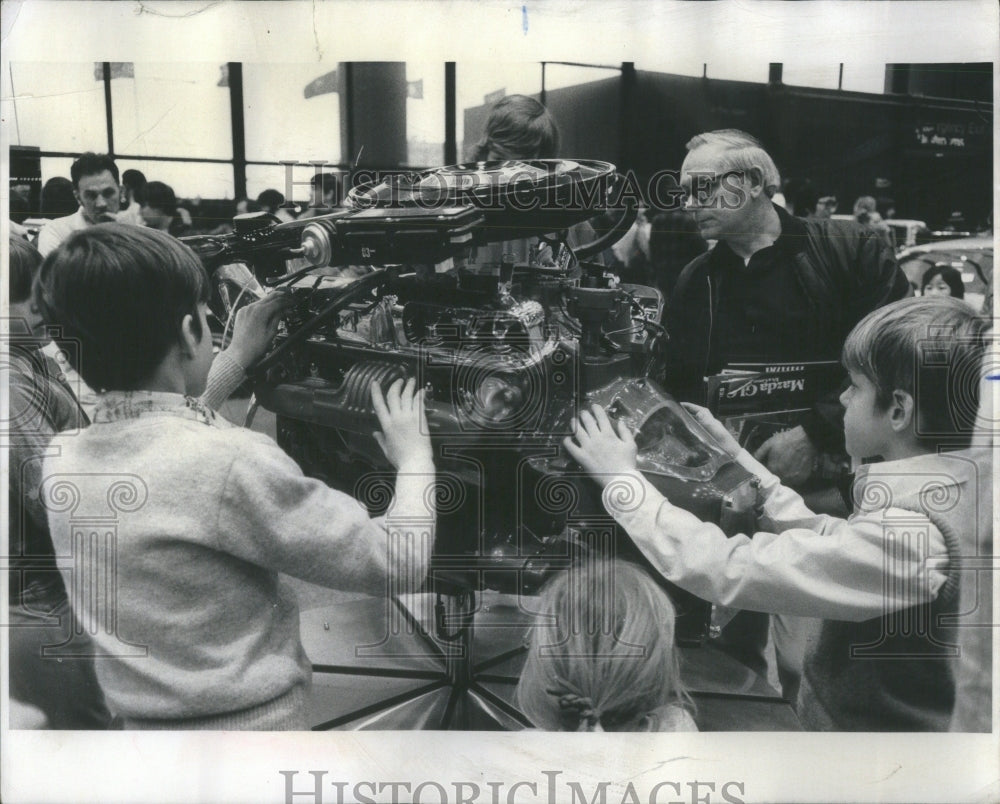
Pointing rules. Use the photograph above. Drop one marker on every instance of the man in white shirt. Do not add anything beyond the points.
(95, 185)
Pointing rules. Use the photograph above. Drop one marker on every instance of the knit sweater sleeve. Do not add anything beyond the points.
(270, 514)
(224, 377)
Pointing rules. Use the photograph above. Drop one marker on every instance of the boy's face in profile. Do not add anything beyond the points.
(867, 427)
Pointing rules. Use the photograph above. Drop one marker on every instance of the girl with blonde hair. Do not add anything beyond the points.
(602, 654)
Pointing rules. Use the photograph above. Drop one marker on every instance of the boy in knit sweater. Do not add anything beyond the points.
(182, 593)
(883, 581)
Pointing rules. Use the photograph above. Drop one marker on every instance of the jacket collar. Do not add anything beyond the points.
(936, 474)
(115, 406)
(792, 227)
(792, 239)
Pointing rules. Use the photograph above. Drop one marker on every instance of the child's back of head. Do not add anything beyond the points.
(932, 349)
(602, 654)
(121, 291)
(518, 127)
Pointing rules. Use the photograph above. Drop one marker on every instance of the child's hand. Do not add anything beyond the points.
(601, 448)
(715, 428)
(404, 438)
(255, 327)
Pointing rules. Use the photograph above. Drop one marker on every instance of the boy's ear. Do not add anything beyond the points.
(901, 411)
(189, 340)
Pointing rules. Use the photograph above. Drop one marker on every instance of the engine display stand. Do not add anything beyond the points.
(380, 663)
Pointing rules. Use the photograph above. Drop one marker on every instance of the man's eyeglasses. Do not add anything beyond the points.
(704, 186)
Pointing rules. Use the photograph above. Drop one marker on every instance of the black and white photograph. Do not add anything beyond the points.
(498, 402)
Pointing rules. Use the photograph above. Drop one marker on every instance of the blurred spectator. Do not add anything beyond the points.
(942, 280)
(158, 206)
(825, 207)
(599, 225)
(58, 199)
(95, 184)
(19, 204)
(19, 213)
(271, 201)
(866, 213)
(65, 692)
(324, 195)
(800, 197)
(631, 253)
(885, 204)
(865, 209)
(674, 241)
(133, 182)
(193, 213)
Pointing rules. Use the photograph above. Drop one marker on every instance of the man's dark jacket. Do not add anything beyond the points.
(833, 274)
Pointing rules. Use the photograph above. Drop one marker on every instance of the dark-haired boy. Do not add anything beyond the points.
(219, 510)
(43, 402)
(884, 581)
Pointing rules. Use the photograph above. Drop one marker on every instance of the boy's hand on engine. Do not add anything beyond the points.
(404, 438)
(601, 447)
(255, 327)
(715, 428)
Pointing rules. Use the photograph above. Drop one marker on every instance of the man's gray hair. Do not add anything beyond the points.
(741, 151)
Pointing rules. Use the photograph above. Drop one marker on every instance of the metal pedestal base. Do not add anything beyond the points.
(382, 664)
(415, 662)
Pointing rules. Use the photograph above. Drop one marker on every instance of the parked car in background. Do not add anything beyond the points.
(971, 256)
(907, 232)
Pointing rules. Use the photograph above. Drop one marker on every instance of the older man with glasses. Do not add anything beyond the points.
(774, 289)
